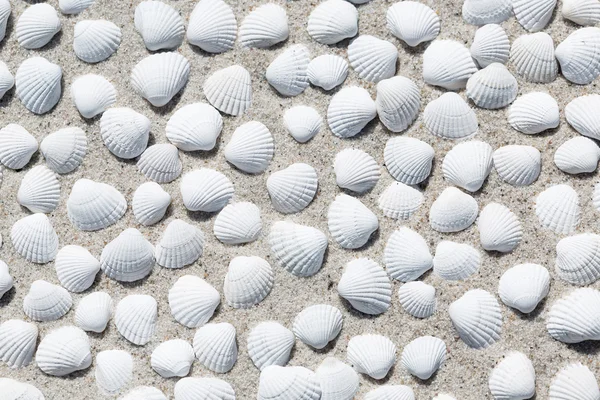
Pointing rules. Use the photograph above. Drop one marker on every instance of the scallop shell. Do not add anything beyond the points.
(160, 163)
(350, 222)
(575, 381)
(238, 223)
(407, 255)
(499, 228)
(125, 132)
(293, 188)
(490, 45)
(181, 244)
(150, 203)
(18, 340)
(355, 170)
(413, 22)
(481, 12)
(513, 378)
(37, 25)
(373, 59)
(127, 258)
(448, 64)
(492, 87)
(477, 318)
(318, 325)
(76, 268)
(63, 351)
(418, 299)
(229, 90)
(423, 356)
(195, 126)
(582, 12)
(288, 72)
(338, 380)
(533, 15)
(366, 286)
(159, 77)
(39, 190)
(64, 149)
(247, 282)
(400, 201)
(205, 190)
(297, 248)
(570, 318)
(349, 111)
(578, 155)
(212, 26)
(74, 6)
(518, 165)
(34, 238)
(172, 358)
(16, 146)
(468, 164)
(215, 347)
(15, 390)
(333, 21)
(144, 393)
(193, 301)
(270, 343)
(5, 11)
(453, 211)
(93, 312)
(372, 355)
(524, 286)
(391, 392)
(302, 122)
(114, 370)
(533, 57)
(6, 281)
(408, 160)
(92, 95)
(557, 209)
(38, 83)
(250, 148)
(94, 205)
(577, 259)
(279, 383)
(450, 117)
(96, 40)
(455, 261)
(398, 102)
(159, 24)
(327, 71)
(203, 388)
(7, 80)
(265, 26)
(534, 113)
(135, 318)
(578, 116)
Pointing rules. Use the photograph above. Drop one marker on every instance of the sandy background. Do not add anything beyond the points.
(465, 372)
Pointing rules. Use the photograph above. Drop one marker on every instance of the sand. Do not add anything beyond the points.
(465, 372)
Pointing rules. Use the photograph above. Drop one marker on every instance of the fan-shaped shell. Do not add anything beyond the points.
(349, 111)
(582, 12)
(5, 11)
(338, 380)
(229, 90)
(317, 325)
(398, 102)
(172, 358)
(490, 45)
(144, 393)
(265, 26)
(203, 388)
(533, 57)
(518, 165)
(481, 12)
(159, 24)
(205, 190)
(6, 281)
(288, 72)
(524, 286)
(533, 15)
(94, 205)
(18, 340)
(577, 156)
(468, 165)
(297, 248)
(212, 26)
(455, 261)
(181, 244)
(391, 392)
(193, 301)
(302, 122)
(125, 132)
(333, 21)
(15, 390)
(76, 268)
(39, 190)
(327, 71)
(7, 80)
(423, 356)
(577, 259)
(159, 77)
(64, 149)
(450, 117)
(513, 378)
(492, 87)
(63, 351)
(160, 163)
(293, 188)
(572, 318)
(215, 346)
(135, 318)
(578, 115)
(150, 202)
(366, 286)
(247, 282)
(74, 6)
(477, 318)
(453, 211)
(38, 83)
(16, 146)
(34, 238)
(238, 223)
(413, 22)
(251, 147)
(418, 299)
(499, 228)
(350, 222)
(195, 126)
(534, 113)
(448, 64)
(270, 343)
(400, 201)
(114, 370)
(37, 26)
(373, 59)
(557, 209)
(575, 381)
(408, 160)
(355, 170)
(278, 383)
(127, 258)
(372, 355)
(407, 255)
(96, 40)
(93, 312)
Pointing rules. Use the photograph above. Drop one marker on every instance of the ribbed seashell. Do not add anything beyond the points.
(251, 147)
(37, 26)
(450, 117)
(238, 223)
(492, 87)
(150, 202)
(366, 286)
(408, 160)
(490, 45)
(39, 190)
(338, 380)
(181, 244)
(203, 388)
(205, 190)
(524, 286)
(7, 80)
(293, 188)
(391, 392)
(159, 24)
(350, 222)
(297, 248)
(570, 318)
(534, 113)
(578, 115)
(302, 122)
(448, 64)
(6, 281)
(96, 40)
(5, 11)
(477, 318)
(229, 90)
(135, 318)
(172, 358)
(582, 12)
(468, 164)
(15, 390)
(160, 163)
(413, 22)
(327, 71)
(270, 343)
(144, 393)
(125, 132)
(577, 259)
(518, 165)
(193, 301)
(557, 209)
(215, 346)
(34, 238)
(453, 211)
(455, 261)
(114, 370)
(212, 26)
(398, 102)
(573, 382)
(247, 282)
(318, 325)
(355, 170)
(16, 146)
(577, 155)
(407, 255)
(93, 312)
(418, 299)
(288, 72)
(18, 340)
(159, 77)
(63, 351)
(333, 21)
(513, 378)
(533, 57)
(423, 356)
(38, 83)
(373, 59)
(481, 12)
(265, 26)
(46, 302)
(533, 15)
(499, 228)
(71, 7)
(64, 149)
(372, 355)
(349, 111)
(127, 258)
(195, 126)
(94, 205)
(279, 383)
(76, 268)
(400, 201)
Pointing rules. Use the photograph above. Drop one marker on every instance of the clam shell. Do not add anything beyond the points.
(448, 64)
(413, 22)
(355, 170)
(578, 155)
(270, 343)
(492, 87)
(518, 165)
(524, 286)
(125, 132)
(302, 122)
(279, 383)
(76, 268)
(318, 325)
(196, 126)
(46, 302)
(37, 25)
(349, 111)
(450, 117)
(215, 347)
(477, 318)
(93, 312)
(417, 299)
(293, 188)
(181, 244)
(247, 282)
(366, 286)
(400, 201)
(372, 355)
(238, 223)
(578, 116)
(288, 72)
(265, 26)
(63, 351)
(408, 160)
(144, 393)
(513, 378)
(135, 318)
(534, 113)
(6, 281)
(251, 147)
(94, 205)
(159, 77)
(398, 102)
(96, 40)
(575, 381)
(481, 12)
(468, 165)
(582, 12)
(150, 202)
(127, 258)
(453, 211)
(297, 248)
(34, 238)
(391, 392)
(499, 228)
(38, 83)
(15, 390)
(533, 15)
(327, 71)
(212, 26)
(172, 358)
(338, 380)
(455, 261)
(373, 59)
(5, 11)
(350, 222)
(423, 356)
(229, 90)
(64, 149)
(74, 6)
(159, 24)
(407, 255)
(160, 163)
(18, 340)
(205, 190)
(569, 319)
(577, 259)
(193, 301)
(39, 190)
(490, 45)
(114, 370)
(333, 21)
(203, 388)
(557, 209)
(7, 80)
(533, 57)
(16, 146)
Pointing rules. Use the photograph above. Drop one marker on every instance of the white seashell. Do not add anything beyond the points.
(575, 381)
(160, 163)
(577, 259)
(355, 170)
(172, 358)
(453, 211)
(533, 57)
(293, 188)
(125, 132)
(391, 392)
(372, 355)
(159, 24)
(407, 255)
(400, 201)
(448, 64)
(135, 318)
(195, 126)
(518, 165)
(524, 286)
(238, 223)
(7, 80)
(350, 222)
(455, 261)
(39, 190)
(578, 116)
(250, 148)
(490, 45)
(349, 111)
(327, 71)
(557, 209)
(366, 286)
(450, 117)
(413, 22)
(144, 393)
(94, 205)
(499, 228)
(418, 299)
(96, 40)
(93, 312)
(76, 268)
(114, 370)
(297, 248)
(212, 26)
(150, 202)
(468, 164)
(270, 343)
(215, 346)
(127, 258)
(38, 83)
(373, 59)
(6, 281)
(582, 12)
(5, 11)
(46, 302)
(74, 6)
(37, 26)
(265, 26)
(63, 351)
(92, 95)
(513, 378)
(288, 72)
(533, 15)
(181, 244)
(398, 102)
(205, 190)
(34, 238)
(15, 390)
(534, 113)
(203, 388)
(318, 325)
(159, 77)
(577, 155)
(481, 12)
(247, 282)
(16, 146)
(477, 318)
(302, 122)
(193, 301)
(408, 160)
(333, 21)
(423, 356)
(281, 383)
(570, 318)
(229, 90)
(492, 87)
(64, 149)
(338, 380)
(17, 342)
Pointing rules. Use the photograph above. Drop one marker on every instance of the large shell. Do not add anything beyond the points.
(238, 223)
(34, 238)
(492, 87)
(251, 147)
(407, 255)
(577, 259)
(16, 146)
(455, 261)
(533, 57)
(513, 378)
(453, 211)
(557, 209)
(423, 356)
(195, 126)
(150, 202)
(205, 190)
(46, 302)
(373, 59)
(94, 205)
(400, 201)
(144, 393)
(64, 149)
(490, 45)
(575, 381)
(96, 40)
(212, 26)
(279, 383)
(447, 63)
(413, 22)
(372, 355)
(160, 163)
(215, 347)
(333, 21)
(391, 392)
(293, 188)
(499, 228)
(229, 90)
(270, 343)
(518, 165)
(18, 340)
(349, 111)
(76, 268)
(203, 388)
(135, 318)
(71, 7)
(327, 71)
(366, 286)
(114, 370)
(63, 351)
(468, 164)
(338, 380)
(172, 358)
(477, 318)
(247, 282)
(481, 12)
(524, 286)
(582, 12)
(125, 132)
(450, 117)
(398, 102)
(160, 25)
(127, 258)
(38, 83)
(302, 122)
(15, 390)
(265, 26)
(350, 222)
(297, 248)
(533, 15)
(318, 325)
(578, 115)
(93, 312)
(159, 77)
(577, 155)
(181, 244)
(288, 72)
(408, 160)
(6, 280)
(570, 318)
(39, 190)
(534, 113)
(37, 26)
(193, 301)
(355, 170)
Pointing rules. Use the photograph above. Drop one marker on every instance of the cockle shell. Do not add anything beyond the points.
(577, 155)
(575, 381)
(297, 248)
(499, 228)
(453, 211)
(16, 146)
(407, 255)
(513, 378)
(63, 351)
(577, 259)
(455, 261)
(338, 380)
(468, 164)
(477, 318)
(408, 160)
(366, 286)
(524, 286)
(533, 57)
(114, 370)
(577, 55)
(193, 301)
(39, 190)
(238, 223)
(372, 355)
(195, 126)
(15, 390)
(413, 22)
(492, 87)
(144, 393)
(127, 258)
(5, 11)
(181, 244)
(172, 358)
(203, 388)
(150, 202)
(288, 72)
(355, 170)
(93, 312)
(38, 83)
(37, 26)
(533, 15)
(135, 318)
(490, 45)
(64, 149)
(398, 102)
(6, 281)
(518, 165)
(293, 188)
(7, 80)
(373, 59)
(327, 71)
(582, 12)
(448, 64)
(76, 268)
(251, 147)
(534, 113)
(18, 340)
(270, 343)
(205, 190)
(279, 383)
(159, 77)
(212, 26)
(350, 222)
(159, 24)
(96, 40)
(160, 163)
(247, 282)
(391, 392)
(578, 116)
(229, 90)
(71, 7)
(423, 356)
(481, 12)
(450, 117)
(125, 132)
(215, 346)
(318, 325)
(400, 201)
(265, 26)
(34, 238)
(302, 122)
(349, 111)
(570, 318)
(557, 209)
(333, 21)
(94, 205)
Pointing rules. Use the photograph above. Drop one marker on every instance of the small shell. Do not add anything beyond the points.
(160, 163)
(71, 7)
(297, 248)
(238, 223)
(533, 57)
(114, 370)
(450, 117)
(172, 358)
(215, 347)
(455, 261)
(76, 268)
(205, 190)
(338, 380)
(372, 355)
(355, 170)
(18, 340)
(6, 281)
(398, 102)
(195, 126)
(373, 59)
(302, 122)
(423, 356)
(518, 165)
(37, 26)
(39, 190)
(63, 351)
(327, 71)
(212, 26)
(150, 203)
(448, 64)
(94, 205)
(513, 378)
(16, 146)
(247, 282)
(477, 318)
(407, 255)
(490, 45)
(34, 238)
(125, 132)
(193, 301)
(203, 388)
(181, 244)
(127, 258)
(492, 87)
(481, 12)
(15, 390)
(333, 21)
(418, 299)
(293, 188)
(96, 40)
(391, 392)
(596, 196)
(534, 15)
(92, 95)
(144, 393)
(534, 113)
(38, 83)
(350, 222)
(265, 26)
(578, 260)
(578, 115)
(270, 343)
(557, 209)
(400, 201)
(280, 383)
(229, 90)
(318, 325)
(408, 160)
(524, 286)
(250, 148)
(568, 319)
(5, 11)
(575, 381)
(468, 165)
(366, 286)
(7, 80)
(499, 228)
(135, 318)
(582, 12)
(453, 211)
(159, 24)
(413, 22)
(578, 155)
(93, 312)
(288, 72)
(159, 77)
(349, 111)
(64, 149)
